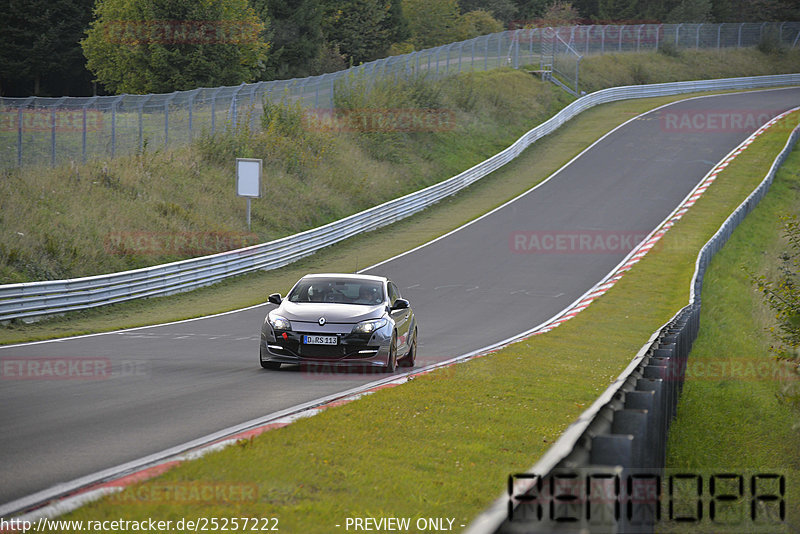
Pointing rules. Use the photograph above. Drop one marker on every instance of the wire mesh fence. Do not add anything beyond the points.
(53, 131)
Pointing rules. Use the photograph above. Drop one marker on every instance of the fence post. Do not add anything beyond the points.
(677, 35)
(621, 29)
(697, 39)
(214, 109)
(166, 118)
(500, 50)
(83, 140)
(53, 136)
(639, 37)
(472, 60)
(739, 42)
(191, 111)
(253, 103)
(114, 124)
(486, 53)
(603, 39)
(141, 118)
(719, 35)
(234, 114)
(19, 136)
(658, 35)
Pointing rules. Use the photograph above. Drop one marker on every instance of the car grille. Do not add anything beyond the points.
(325, 352)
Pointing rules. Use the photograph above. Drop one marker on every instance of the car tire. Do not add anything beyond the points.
(410, 359)
(391, 364)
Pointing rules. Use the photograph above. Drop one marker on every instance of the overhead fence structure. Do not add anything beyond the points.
(605, 472)
(53, 131)
(36, 299)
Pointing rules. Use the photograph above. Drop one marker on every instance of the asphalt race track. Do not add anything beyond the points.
(175, 383)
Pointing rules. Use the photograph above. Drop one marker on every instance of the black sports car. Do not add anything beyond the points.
(341, 320)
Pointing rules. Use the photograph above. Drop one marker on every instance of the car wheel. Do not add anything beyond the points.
(411, 358)
(273, 366)
(391, 365)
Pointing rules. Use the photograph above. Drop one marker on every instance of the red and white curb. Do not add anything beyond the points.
(94, 491)
(649, 242)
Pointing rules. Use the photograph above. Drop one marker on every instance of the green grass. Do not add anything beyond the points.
(736, 421)
(443, 444)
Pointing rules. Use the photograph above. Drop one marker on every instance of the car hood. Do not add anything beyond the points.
(333, 313)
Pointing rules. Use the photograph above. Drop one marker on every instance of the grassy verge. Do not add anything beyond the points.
(538, 162)
(443, 445)
(730, 416)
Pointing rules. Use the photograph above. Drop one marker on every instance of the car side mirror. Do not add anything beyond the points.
(275, 298)
(400, 304)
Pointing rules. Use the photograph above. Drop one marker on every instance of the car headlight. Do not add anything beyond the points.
(368, 327)
(278, 322)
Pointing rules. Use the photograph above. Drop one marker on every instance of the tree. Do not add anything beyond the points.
(295, 34)
(502, 10)
(690, 11)
(560, 13)
(157, 46)
(432, 22)
(477, 23)
(359, 28)
(39, 44)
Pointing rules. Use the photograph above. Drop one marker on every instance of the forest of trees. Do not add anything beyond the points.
(84, 47)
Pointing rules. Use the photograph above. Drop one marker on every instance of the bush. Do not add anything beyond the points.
(669, 50)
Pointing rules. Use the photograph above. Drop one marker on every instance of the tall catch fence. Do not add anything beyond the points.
(53, 131)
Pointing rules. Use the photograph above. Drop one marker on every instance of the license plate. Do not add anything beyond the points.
(320, 340)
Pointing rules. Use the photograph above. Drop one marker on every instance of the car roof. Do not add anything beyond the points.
(347, 276)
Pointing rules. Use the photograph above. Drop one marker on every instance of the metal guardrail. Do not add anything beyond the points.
(35, 299)
(40, 131)
(625, 429)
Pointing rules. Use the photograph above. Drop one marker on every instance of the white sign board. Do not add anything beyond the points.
(248, 177)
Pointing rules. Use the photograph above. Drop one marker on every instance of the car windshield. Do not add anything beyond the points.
(338, 291)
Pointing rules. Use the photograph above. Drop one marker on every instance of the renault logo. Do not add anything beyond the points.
(321, 321)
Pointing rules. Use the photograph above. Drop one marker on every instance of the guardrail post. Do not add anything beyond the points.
(634, 423)
(644, 401)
